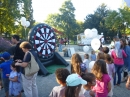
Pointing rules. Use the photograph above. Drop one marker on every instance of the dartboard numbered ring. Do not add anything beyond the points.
(43, 40)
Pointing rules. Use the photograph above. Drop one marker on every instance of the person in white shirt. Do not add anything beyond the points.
(102, 40)
(86, 60)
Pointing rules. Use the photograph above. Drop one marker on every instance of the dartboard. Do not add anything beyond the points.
(42, 38)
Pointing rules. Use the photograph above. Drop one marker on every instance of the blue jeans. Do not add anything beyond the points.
(60, 47)
(118, 70)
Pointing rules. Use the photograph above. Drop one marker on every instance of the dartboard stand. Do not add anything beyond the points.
(43, 40)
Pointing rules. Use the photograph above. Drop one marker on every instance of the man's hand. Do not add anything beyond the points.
(17, 64)
(12, 56)
(1, 58)
(7, 75)
(18, 60)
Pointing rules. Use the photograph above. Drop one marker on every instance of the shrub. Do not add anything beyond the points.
(4, 44)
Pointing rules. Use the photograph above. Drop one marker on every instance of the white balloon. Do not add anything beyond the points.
(87, 33)
(23, 19)
(95, 32)
(27, 23)
(91, 33)
(85, 49)
(91, 64)
(95, 44)
(23, 23)
(127, 2)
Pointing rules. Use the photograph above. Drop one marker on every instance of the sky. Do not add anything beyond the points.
(83, 7)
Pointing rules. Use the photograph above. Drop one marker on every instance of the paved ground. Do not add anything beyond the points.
(45, 84)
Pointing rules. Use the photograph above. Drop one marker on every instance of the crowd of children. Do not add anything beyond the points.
(80, 81)
(99, 81)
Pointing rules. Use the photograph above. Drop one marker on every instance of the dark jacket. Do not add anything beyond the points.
(18, 53)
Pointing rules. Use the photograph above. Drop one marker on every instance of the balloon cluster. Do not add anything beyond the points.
(95, 42)
(91, 33)
(24, 22)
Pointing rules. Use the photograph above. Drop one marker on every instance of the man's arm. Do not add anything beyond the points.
(23, 64)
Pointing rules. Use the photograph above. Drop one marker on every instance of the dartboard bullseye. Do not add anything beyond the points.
(43, 40)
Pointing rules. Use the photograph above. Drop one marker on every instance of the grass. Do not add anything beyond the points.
(54, 67)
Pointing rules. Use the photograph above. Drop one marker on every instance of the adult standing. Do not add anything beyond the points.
(18, 52)
(29, 82)
(102, 40)
(117, 55)
(65, 41)
(126, 48)
(60, 44)
(129, 42)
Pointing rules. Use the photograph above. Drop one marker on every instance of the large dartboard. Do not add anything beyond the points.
(42, 38)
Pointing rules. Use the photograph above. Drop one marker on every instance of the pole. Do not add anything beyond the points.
(25, 32)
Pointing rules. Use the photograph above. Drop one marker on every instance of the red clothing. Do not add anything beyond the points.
(61, 41)
(118, 61)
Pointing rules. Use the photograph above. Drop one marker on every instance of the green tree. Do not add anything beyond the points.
(52, 20)
(97, 20)
(28, 11)
(116, 19)
(10, 14)
(113, 22)
(125, 15)
(67, 18)
(80, 28)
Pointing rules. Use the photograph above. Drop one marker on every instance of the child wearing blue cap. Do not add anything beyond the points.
(74, 83)
(5, 66)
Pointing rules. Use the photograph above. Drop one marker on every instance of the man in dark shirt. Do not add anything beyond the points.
(18, 53)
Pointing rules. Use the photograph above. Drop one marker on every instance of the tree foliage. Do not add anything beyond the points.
(65, 20)
(10, 14)
(110, 22)
(97, 20)
(52, 20)
(118, 21)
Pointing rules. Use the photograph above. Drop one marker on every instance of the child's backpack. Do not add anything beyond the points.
(83, 67)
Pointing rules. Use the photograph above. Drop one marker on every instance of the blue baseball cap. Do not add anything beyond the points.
(6, 55)
(74, 80)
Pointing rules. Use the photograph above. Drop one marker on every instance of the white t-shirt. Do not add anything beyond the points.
(86, 61)
(81, 93)
(102, 40)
